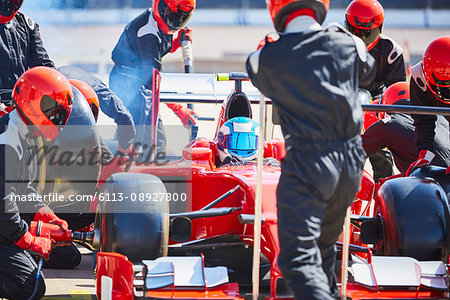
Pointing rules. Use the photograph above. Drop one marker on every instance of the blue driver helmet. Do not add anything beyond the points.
(239, 137)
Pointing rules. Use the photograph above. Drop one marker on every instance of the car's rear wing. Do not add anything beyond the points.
(205, 88)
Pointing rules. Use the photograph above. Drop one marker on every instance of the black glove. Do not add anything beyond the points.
(125, 135)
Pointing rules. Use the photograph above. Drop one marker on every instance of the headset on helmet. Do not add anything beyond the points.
(89, 94)
(172, 15)
(239, 137)
(436, 67)
(281, 9)
(364, 18)
(43, 98)
(396, 92)
(8, 9)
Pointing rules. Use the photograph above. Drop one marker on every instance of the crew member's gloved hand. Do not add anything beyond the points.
(46, 215)
(125, 136)
(425, 157)
(183, 34)
(41, 246)
(54, 232)
(5, 109)
(186, 115)
(448, 170)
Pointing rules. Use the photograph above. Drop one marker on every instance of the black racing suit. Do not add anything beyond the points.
(396, 132)
(390, 69)
(312, 76)
(17, 268)
(421, 95)
(21, 48)
(138, 51)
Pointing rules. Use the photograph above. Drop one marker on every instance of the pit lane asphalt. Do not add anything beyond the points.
(72, 284)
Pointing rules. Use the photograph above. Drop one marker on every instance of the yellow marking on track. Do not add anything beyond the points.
(74, 294)
(80, 294)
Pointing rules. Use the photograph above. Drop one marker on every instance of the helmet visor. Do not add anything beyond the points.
(175, 20)
(94, 109)
(367, 35)
(9, 7)
(54, 111)
(443, 92)
(241, 141)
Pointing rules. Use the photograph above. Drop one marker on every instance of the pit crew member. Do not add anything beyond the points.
(396, 131)
(430, 86)
(21, 48)
(365, 18)
(312, 76)
(43, 100)
(143, 43)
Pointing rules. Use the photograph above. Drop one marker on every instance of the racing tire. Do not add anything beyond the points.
(414, 216)
(125, 224)
(435, 172)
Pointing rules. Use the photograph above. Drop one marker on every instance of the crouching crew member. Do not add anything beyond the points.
(312, 76)
(396, 131)
(430, 86)
(43, 100)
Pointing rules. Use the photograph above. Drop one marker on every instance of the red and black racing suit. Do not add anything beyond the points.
(390, 65)
(421, 95)
(21, 48)
(138, 51)
(390, 69)
(396, 132)
(312, 76)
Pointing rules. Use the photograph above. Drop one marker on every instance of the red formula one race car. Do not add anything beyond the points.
(213, 227)
(184, 229)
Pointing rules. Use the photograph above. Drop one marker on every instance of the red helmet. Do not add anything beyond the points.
(89, 94)
(364, 18)
(8, 9)
(436, 67)
(43, 98)
(172, 15)
(395, 92)
(281, 9)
